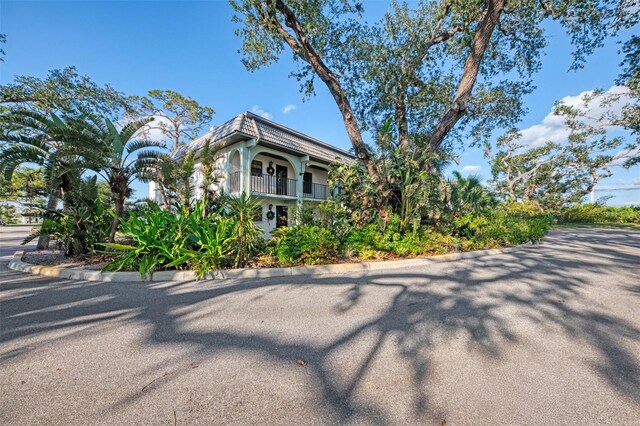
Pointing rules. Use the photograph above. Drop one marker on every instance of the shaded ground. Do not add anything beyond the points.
(547, 334)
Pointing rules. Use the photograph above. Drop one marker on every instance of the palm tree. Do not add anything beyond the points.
(468, 194)
(118, 156)
(31, 137)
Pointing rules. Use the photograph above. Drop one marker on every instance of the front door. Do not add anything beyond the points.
(282, 216)
(281, 180)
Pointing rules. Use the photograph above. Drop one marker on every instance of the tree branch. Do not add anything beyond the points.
(470, 71)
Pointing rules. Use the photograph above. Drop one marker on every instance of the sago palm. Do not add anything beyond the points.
(119, 157)
(47, 141)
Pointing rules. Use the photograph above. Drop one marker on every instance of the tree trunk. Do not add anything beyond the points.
(479, 45)
(43, 240)
(119, 207)
(163, 194)
(302, 45)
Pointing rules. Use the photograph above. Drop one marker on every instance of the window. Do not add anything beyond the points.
(256, 168)
(307, 181)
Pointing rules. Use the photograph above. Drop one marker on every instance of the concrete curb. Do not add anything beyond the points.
(90, 275)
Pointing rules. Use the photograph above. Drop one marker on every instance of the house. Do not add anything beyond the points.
(282, 167)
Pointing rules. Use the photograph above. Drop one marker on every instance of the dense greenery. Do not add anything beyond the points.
(598, 213)
(82, 224)
(192, 239)
(426, 80)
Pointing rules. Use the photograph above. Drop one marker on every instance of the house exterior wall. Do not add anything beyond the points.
(234, 164)
(268, 226)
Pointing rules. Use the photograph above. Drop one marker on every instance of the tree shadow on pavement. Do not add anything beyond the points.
(476, 300)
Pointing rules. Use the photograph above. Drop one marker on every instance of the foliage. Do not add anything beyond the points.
(82, 224)
(597, 213)
(500, 227)
(63, 91)
(332, 216)
(303, 244)
(160, 239)
(247, 237)
(179, 181)
(179, 118)
(8, 212)
(466, 195)
(559, 174)
(116, 155)
(27, 184)
(432, 67)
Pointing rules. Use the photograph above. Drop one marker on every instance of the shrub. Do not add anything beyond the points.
(81, 225)
(598, 213)
(161, 240)
(369, 238)
(306, 244)
(507, 228)
(247, 237)
(408, 245)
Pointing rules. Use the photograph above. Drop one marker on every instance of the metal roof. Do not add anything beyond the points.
(251, 126)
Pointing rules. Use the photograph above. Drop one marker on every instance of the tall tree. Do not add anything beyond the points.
(32, 137)
(178, 118)
(62, 92)
(438, 53)
(119, 156)
(559, 173)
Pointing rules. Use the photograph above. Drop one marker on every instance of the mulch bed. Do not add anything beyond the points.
(57, 258)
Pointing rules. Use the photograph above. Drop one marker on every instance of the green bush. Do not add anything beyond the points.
(303, 244)
(81, 225)
(408, 245)
(503, 227)
(369, 238)
(160, 240)
(598, 213)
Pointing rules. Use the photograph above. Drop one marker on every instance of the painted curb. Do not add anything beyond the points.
(340, 268)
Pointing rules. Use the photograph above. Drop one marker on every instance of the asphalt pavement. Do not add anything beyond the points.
(545, 334)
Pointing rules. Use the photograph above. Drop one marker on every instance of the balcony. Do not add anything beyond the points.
(315, 191)
(264, 184)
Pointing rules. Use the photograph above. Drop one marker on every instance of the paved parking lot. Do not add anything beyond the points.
(546, 334)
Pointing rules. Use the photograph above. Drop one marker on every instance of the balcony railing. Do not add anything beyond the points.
(274, 185)
(315, 191)
(268, 184)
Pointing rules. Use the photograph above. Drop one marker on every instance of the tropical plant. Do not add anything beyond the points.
(159, 239)
(118, 156)
(466, 195)
(82, 224)
(246, 236)
(303, 244)
(47, 141)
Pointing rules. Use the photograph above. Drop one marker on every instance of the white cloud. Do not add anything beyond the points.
(553, 129)
(262, 113)
(636, 181)
(288, 108)
(471, 169)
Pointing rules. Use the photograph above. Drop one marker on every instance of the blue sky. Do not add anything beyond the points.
(190, 47)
